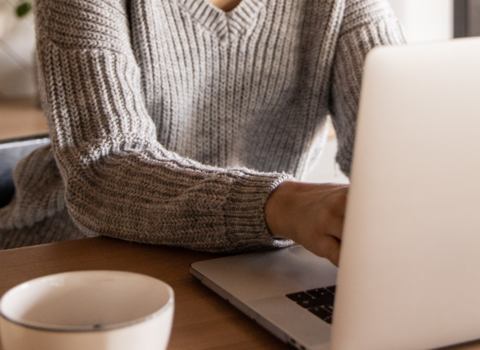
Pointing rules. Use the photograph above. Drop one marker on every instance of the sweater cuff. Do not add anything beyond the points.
(245, 212)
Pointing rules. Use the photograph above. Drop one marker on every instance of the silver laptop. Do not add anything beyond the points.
(409, 274)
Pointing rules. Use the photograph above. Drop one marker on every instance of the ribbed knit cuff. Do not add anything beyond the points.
(245, 212)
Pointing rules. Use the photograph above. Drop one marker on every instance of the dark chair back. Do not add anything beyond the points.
(11, 151)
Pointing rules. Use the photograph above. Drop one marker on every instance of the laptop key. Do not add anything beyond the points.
(308, 303)
(318, 301)
(332, 289)
(319, 292)
(328, 319)
(320, 312)
(300, 296)
(328, 307)
(314, 302)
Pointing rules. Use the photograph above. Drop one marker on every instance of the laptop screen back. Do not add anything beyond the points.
(409, 271)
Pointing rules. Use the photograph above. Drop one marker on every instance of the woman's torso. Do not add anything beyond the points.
(245, 88)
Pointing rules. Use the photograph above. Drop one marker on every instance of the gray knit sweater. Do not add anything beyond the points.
(172, 121)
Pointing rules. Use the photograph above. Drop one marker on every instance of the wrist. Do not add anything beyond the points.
(280, 207)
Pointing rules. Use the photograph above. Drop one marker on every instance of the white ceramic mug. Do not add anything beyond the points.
(94, 310)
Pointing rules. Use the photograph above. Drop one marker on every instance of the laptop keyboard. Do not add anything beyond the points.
(318, 301)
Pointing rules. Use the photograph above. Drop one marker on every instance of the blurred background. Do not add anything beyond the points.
(17, 42)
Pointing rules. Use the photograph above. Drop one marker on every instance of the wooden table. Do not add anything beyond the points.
(202, 319)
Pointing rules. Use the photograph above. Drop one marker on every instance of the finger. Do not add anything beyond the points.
(326, 247)
(329, 248)
(331, 223)
(334, 227)
(337, 201)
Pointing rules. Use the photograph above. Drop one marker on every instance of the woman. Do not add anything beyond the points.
(175, 122)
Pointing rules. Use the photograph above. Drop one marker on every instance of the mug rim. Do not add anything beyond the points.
(93, 328)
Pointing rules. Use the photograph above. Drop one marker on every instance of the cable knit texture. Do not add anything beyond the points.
(173, 121)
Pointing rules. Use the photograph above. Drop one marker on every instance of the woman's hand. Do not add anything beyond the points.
(309, 214)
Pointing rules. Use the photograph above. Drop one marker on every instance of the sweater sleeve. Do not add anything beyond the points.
(119, 181)
(366, 24)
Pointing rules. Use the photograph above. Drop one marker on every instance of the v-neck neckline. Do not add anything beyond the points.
(224, 25)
